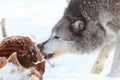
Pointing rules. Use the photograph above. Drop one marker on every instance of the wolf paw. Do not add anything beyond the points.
(97, 69)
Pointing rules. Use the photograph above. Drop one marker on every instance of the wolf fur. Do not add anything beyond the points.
(86, 25)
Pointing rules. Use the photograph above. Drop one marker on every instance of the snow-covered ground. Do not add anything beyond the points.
(35, 18)
(76, 67)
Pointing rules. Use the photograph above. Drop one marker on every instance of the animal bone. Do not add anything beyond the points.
(18, 54)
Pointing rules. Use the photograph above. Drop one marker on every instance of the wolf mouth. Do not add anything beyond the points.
(48, 56)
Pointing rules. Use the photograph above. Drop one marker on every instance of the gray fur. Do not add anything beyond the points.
(99, 18)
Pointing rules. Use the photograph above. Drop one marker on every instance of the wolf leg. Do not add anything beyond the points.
(115, 69)
(102, 58)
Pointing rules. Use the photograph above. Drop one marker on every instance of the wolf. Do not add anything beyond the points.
(87, 25)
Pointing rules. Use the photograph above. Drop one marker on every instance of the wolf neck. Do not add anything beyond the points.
(89, 42)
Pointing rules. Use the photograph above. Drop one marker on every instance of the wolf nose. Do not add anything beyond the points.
(40, 46)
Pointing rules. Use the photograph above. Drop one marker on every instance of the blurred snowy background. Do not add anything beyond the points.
(31, 17)
(36, 18)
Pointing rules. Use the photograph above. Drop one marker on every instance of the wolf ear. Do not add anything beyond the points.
(78, 25)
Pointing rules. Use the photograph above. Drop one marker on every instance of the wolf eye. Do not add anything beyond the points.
(56, 37)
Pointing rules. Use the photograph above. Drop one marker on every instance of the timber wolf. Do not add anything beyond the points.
(86, 25)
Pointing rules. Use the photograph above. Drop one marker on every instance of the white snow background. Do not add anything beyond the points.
(36, 18)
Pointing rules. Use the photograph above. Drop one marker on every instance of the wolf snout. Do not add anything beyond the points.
(40, 46)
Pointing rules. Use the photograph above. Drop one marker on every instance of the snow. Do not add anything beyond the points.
(75, 67)
(31, 17)
(36, 18)
(11, 72)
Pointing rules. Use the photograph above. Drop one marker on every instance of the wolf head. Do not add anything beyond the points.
(74, 32)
